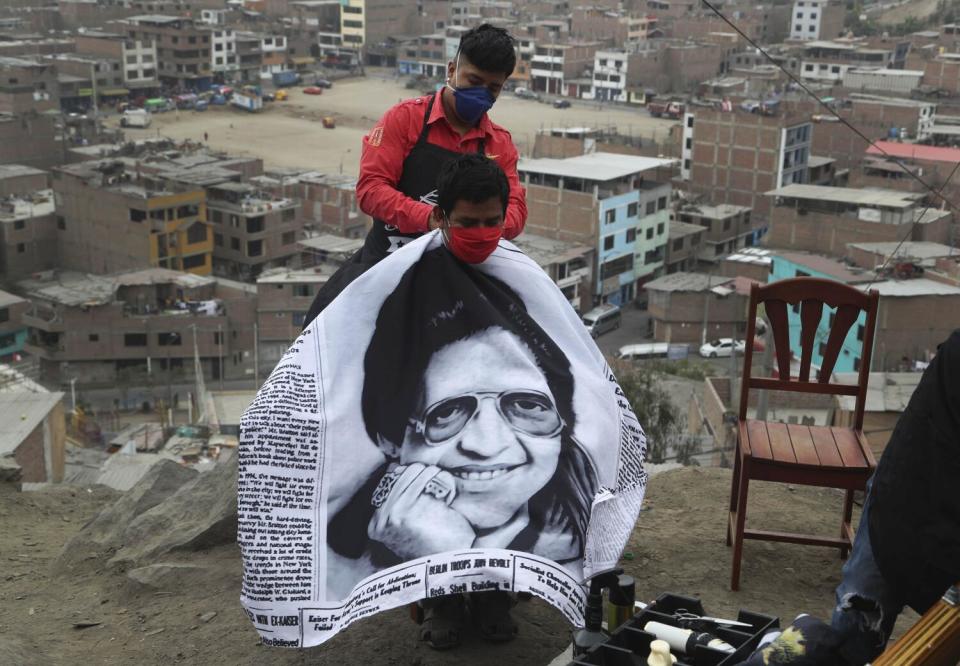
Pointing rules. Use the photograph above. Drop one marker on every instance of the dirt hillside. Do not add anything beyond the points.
(186, 609)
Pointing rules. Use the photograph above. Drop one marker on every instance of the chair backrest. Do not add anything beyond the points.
(810, 294)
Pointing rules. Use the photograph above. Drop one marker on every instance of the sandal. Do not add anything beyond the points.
(491, 616)
(443, 620)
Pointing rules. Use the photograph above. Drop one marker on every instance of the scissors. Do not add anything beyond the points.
(685, 617)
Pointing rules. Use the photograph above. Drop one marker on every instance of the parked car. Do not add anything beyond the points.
(561, 104)
(602, 319)
(526, 93)
(722, 347)
(643, 351)
(312, 90)
(321, 82)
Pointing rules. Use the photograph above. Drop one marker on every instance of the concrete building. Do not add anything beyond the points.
(615, 28)
(817, 20)
(13, 333)
(252, 230)
(327, 250)
(283, 298)
(139, 327)
(19, 179)
(684, 247)
(183, 48)
(824, 220)
(556, 68)
(328, 201)
(736, 157)
(425, 55)
(249, 57)
(569, 265)
(618, 204)
(115, 217)
(137, 58)
(672, 66)
(273, 49)
(915, 315)
(871, 256)
(28, 234)
(28, 85)
(897, 81)
(695, 307)
(224, 61)
(35, 440)
(828, 61)
(726, 229)
(888, 394)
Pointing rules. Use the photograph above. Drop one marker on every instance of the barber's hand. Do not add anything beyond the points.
(435, 220)
(413, 523)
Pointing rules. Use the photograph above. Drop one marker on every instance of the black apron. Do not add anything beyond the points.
(417, 181)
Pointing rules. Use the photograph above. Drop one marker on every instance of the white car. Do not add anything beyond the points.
(722, 347)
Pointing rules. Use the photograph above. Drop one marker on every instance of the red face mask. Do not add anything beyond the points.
(473, 244)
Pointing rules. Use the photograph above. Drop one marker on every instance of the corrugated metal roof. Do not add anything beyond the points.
(914, 151)
(688, 282)
(848, 195)
(595, 166)
(22, 412)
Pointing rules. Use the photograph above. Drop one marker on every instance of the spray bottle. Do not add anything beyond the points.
(592, 632)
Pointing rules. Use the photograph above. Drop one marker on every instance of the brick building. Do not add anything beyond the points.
(36, 439)
(569, 265)
(283, 298)
(132, 328)
(684, 246)
(617, 204)
(252, 230)
(20, 179)
(613, 28)
(696, 307)
(726, 229)
(28, 234)
(137, 58)
(824, 220)
(183, 48)
(736, 157)
(113, 217)
(555, 68)
(817, 19)
(13, 334)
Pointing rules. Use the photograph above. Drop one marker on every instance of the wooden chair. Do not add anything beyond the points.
(799, 454)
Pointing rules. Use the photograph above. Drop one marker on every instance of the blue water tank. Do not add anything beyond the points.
(894, 132)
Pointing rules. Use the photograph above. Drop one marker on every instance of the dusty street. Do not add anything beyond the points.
(290, 133)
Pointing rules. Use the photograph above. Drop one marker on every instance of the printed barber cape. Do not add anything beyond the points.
(440, 428)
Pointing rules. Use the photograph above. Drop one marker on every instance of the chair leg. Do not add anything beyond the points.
(744, 485)
(734, 489)
(845, 524)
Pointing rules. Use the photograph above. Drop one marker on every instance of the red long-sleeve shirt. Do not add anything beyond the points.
(389, 142)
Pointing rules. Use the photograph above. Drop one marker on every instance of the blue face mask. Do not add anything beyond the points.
(471, 103)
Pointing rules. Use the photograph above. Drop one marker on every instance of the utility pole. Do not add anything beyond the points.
(220, 351)
(706, 306)
(73, 395)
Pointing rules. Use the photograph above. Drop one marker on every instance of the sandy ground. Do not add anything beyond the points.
(916, 8)
(290, 134)
(678, 546)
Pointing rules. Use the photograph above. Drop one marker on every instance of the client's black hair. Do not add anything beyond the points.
(471, 177)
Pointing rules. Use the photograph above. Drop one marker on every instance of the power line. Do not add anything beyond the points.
(830, 109)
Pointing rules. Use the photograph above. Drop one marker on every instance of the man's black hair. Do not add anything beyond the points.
(489, 48)
(471, 177)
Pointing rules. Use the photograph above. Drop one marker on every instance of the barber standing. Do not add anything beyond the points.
(405, 151)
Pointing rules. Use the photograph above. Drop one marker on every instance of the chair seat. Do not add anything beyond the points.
(812, 447)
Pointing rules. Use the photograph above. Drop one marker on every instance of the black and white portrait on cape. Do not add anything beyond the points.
(454, 410)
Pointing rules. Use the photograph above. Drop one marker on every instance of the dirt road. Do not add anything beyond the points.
(291, 134)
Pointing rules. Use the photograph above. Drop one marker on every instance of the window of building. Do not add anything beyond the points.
(192, 40)
(254, 248)
(93, 337)
(194, 261)
(689, 121)
(216, 216)
(677, 244)
(132, 74)
(190, 210)
(813, 15)
(631, 235)
(798, 28)
(4, 315)
(299, 318)
(302, 290)
(219, 61)
(218, 46)
(799, 15)
(688, 144)
(135, 340)
(860, 332)
(686, 165)
(726, 224)
(616, 266)
(856, 364)
(218, 338)
(288, 237)
(661, 203)
(661, 228)
(137, 215)
(835, 69)
(352, 24)
(196, 233)
(813, 28)
(608, 243)
(610, 216)
(632, 209)
(650, 233)
(21, 248)
(19, 224)
(169, 339)
(235, 221)
(235, 244)
(289, 215)
(218, 240)
(255, 224)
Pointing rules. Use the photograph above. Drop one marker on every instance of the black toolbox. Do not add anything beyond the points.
(629, 645)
